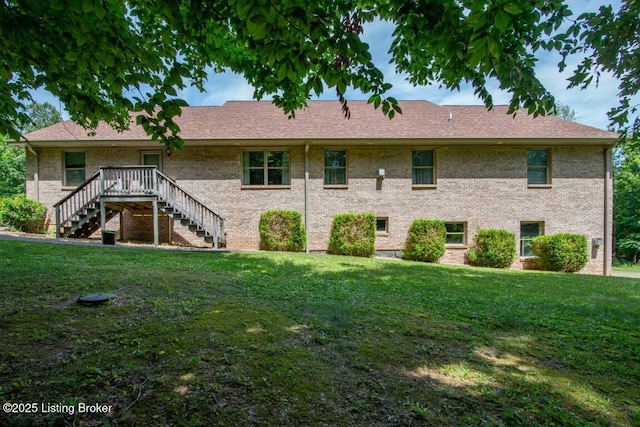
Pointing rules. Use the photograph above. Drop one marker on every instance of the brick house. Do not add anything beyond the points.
(470, 167)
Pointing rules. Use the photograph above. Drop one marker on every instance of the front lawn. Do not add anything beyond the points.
(230, 339)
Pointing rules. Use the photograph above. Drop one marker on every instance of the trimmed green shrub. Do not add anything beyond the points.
(426, 240)
(353, 234)
(561, 252)
(493, 248)
(281, 231)
(23, 214)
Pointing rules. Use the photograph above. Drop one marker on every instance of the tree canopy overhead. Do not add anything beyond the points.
(104, 58)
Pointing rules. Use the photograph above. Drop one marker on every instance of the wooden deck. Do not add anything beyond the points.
(114, 189)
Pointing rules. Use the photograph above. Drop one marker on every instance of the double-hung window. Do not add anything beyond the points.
(456, 234)
(335, 167)
(74, 168)
(265, 167)
(528, 231)
(423, 167)
(538, 167)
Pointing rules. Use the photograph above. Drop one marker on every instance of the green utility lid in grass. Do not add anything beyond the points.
(95, 299)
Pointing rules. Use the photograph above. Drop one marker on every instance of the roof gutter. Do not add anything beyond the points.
(608, 212)
(306, 196)
(494, 141)
(36, 172)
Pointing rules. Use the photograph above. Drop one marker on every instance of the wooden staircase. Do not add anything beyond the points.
(87, 222)
(187, 222)
(110, 190)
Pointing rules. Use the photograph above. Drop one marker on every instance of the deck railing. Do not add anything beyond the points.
(128, 180)
(125, 182)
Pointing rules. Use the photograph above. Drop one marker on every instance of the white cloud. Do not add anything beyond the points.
(220, 87)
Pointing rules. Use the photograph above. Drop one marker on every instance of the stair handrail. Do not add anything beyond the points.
(74, 203)
(194, 209)
(76, 190)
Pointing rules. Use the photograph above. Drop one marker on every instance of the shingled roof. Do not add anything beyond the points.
(323, 120)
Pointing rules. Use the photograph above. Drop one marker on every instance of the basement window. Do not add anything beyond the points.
(456, 233)
(382, 225)
(529, 231)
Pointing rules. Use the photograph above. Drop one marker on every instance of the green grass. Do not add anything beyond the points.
(228, 339)
(627, 268)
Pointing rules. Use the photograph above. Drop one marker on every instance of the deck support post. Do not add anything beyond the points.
(58, 223)
(156, 239)
(103, 214)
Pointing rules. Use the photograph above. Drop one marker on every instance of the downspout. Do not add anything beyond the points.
(306, 196)
(608, 232)
(36, 177)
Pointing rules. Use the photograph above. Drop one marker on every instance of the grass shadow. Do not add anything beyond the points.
(197, 338)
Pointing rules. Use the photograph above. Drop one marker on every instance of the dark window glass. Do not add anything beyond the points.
(74, 168)
(455, 233)
(265, 168)
(538, 166)
(423, 167)
(528, 231)
(335, 167)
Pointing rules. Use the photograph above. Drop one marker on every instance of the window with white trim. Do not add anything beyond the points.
(266, 167)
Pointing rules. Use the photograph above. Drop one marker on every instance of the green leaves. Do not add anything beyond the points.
(97, 55)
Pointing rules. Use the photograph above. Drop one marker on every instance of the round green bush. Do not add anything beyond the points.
(353, 234)
(281, 231)
(426, 240)
(493, 248)
(561, 252)
(23, 214)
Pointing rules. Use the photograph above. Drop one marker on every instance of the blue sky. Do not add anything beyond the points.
(591, 105)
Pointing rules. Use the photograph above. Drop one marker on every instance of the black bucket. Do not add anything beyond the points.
(109, 237)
